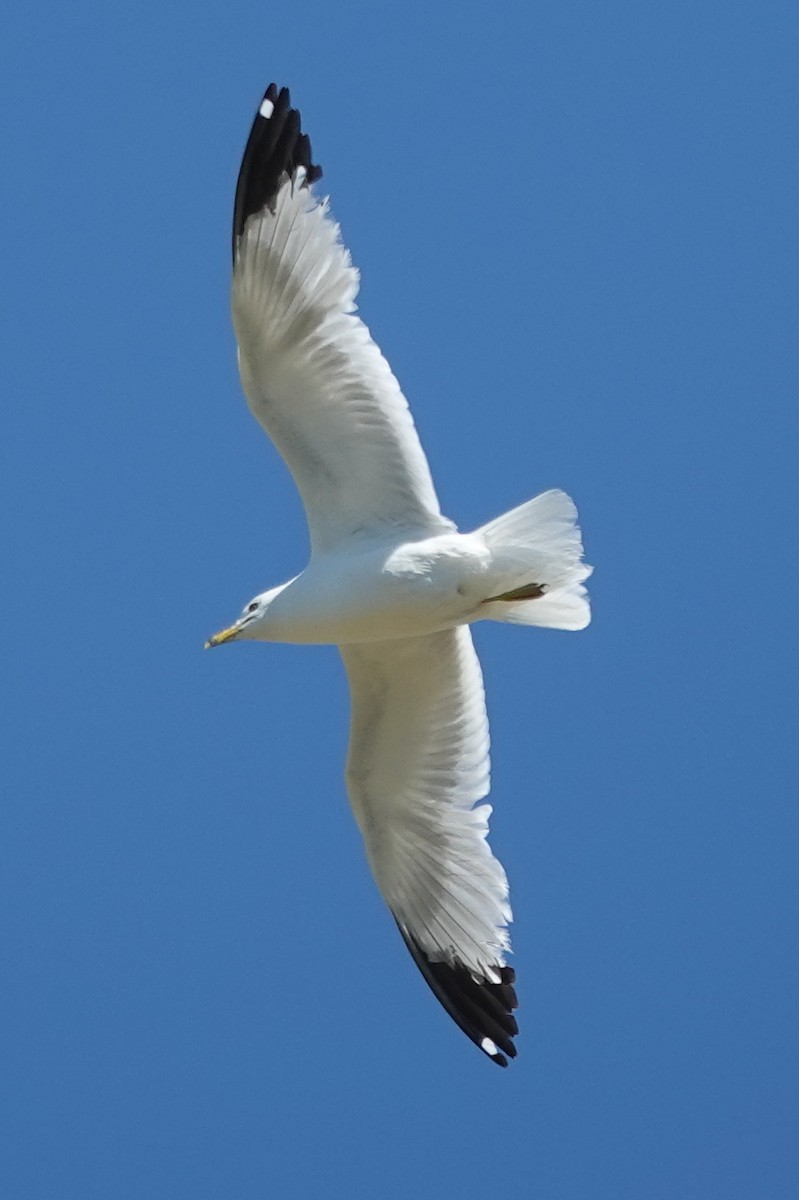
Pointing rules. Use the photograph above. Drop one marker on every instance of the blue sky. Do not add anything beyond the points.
(576, 224)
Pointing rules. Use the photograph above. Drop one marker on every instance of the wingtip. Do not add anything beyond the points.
(482, 1008)
(276, 150)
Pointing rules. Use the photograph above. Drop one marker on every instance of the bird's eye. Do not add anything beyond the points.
(252, 607)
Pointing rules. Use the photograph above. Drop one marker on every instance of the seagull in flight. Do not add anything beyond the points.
(390, 581)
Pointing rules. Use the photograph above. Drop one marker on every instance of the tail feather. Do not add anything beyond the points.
(537, 565)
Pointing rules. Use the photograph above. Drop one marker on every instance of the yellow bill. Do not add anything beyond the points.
(225, 635)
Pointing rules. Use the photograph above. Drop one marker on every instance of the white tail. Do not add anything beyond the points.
(538, 543)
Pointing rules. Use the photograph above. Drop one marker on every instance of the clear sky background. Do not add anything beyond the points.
(576, 224)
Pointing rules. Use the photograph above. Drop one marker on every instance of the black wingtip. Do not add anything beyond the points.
(482, 1009)
(275, 149)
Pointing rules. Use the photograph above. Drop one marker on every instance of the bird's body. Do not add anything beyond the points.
(380, 592)
(390, 579)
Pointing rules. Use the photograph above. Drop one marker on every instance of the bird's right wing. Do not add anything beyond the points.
(418, 764)
(313, 376)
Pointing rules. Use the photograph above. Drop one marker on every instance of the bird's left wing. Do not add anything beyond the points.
(417, 766)
(312, 374)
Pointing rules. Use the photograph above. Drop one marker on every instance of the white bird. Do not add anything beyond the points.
(390, 579)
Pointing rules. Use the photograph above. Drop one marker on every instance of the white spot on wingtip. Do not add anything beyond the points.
(266, 109)
(488, 1046)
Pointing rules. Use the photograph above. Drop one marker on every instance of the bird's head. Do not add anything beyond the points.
(251, 625)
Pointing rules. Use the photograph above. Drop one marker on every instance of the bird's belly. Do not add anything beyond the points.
(375, 597)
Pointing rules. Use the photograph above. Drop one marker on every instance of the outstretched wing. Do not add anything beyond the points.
(418, 764)
(312, 374)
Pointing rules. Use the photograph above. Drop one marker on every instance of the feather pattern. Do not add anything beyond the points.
(418, 765)
(313, 376)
